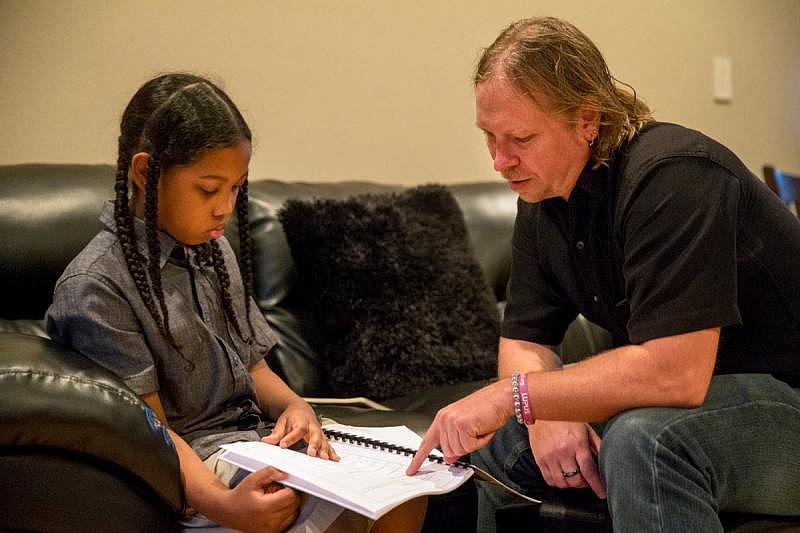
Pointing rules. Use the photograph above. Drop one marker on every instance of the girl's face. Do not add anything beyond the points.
(195, 201)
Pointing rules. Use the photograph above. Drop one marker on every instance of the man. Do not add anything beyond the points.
(663, 237)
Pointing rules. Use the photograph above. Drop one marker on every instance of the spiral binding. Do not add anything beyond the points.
(376, 444)
(359, 440)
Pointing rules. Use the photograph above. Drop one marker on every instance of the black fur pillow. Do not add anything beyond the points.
(402, 303)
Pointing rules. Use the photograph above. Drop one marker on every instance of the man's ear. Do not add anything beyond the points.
(138, 172)
(587, 121)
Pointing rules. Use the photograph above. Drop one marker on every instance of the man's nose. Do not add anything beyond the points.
(503, 159)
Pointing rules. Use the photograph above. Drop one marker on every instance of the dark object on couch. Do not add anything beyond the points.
(401, 301)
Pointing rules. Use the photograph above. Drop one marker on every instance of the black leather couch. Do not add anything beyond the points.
(84, 451)
(79, 451)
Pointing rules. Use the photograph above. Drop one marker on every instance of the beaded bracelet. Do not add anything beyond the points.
(516, 397)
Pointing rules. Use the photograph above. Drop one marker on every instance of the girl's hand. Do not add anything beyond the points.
(298, 421)
(258, 503)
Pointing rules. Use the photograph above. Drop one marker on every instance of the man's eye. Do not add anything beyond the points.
(523, 140)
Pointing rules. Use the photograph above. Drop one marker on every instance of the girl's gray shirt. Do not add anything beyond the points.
(206, 389)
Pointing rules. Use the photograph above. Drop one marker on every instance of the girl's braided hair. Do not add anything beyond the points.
(175, 118)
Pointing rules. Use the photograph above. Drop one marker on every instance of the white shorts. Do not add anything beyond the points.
(316, 515)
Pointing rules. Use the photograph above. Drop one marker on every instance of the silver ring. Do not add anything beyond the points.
(571, 473)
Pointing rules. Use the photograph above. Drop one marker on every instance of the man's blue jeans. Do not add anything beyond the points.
(674, 469)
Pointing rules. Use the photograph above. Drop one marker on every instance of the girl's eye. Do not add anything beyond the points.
(208, 192)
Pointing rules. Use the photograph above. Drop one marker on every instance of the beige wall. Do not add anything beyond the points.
(339, 89)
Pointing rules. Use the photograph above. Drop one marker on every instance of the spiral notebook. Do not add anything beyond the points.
(369, 479)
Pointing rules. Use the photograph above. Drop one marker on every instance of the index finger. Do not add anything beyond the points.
(430, 441)
(277, 433)
(294, 435)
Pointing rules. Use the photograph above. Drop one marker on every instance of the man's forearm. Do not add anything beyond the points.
(522, 356)
(666, 372)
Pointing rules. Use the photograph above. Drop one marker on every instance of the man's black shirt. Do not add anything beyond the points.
(675, 235)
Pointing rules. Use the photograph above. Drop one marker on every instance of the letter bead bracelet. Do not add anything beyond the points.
(522, 405)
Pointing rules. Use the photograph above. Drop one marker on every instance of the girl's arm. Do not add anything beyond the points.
(248, 507)
(274, 395)
(295, 418)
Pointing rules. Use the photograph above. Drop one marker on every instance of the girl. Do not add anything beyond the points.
(158, 298)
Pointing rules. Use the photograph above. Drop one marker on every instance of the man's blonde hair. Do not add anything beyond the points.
(560, 68)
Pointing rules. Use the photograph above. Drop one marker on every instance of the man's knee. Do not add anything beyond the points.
(656, 449)
(630, 439)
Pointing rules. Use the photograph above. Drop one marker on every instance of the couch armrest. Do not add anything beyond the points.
(55, 402)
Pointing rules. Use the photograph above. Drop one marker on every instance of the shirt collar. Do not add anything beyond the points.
(593, 181)
(592, 184)
(167, 242)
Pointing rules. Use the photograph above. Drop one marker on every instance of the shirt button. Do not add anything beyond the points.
(579, 245)
(595, 299)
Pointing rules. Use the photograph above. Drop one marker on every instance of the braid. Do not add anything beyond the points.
(127, 236)
(203, 254)
(224, 282)
(245, 251)
(154, 247)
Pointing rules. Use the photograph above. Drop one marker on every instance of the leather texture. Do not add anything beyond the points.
(59, 491)
(47, 214)
(59, 408)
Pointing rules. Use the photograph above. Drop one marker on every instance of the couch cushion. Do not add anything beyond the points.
(296, 358)
(490, 209)
(47, 215)
(401, 301)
